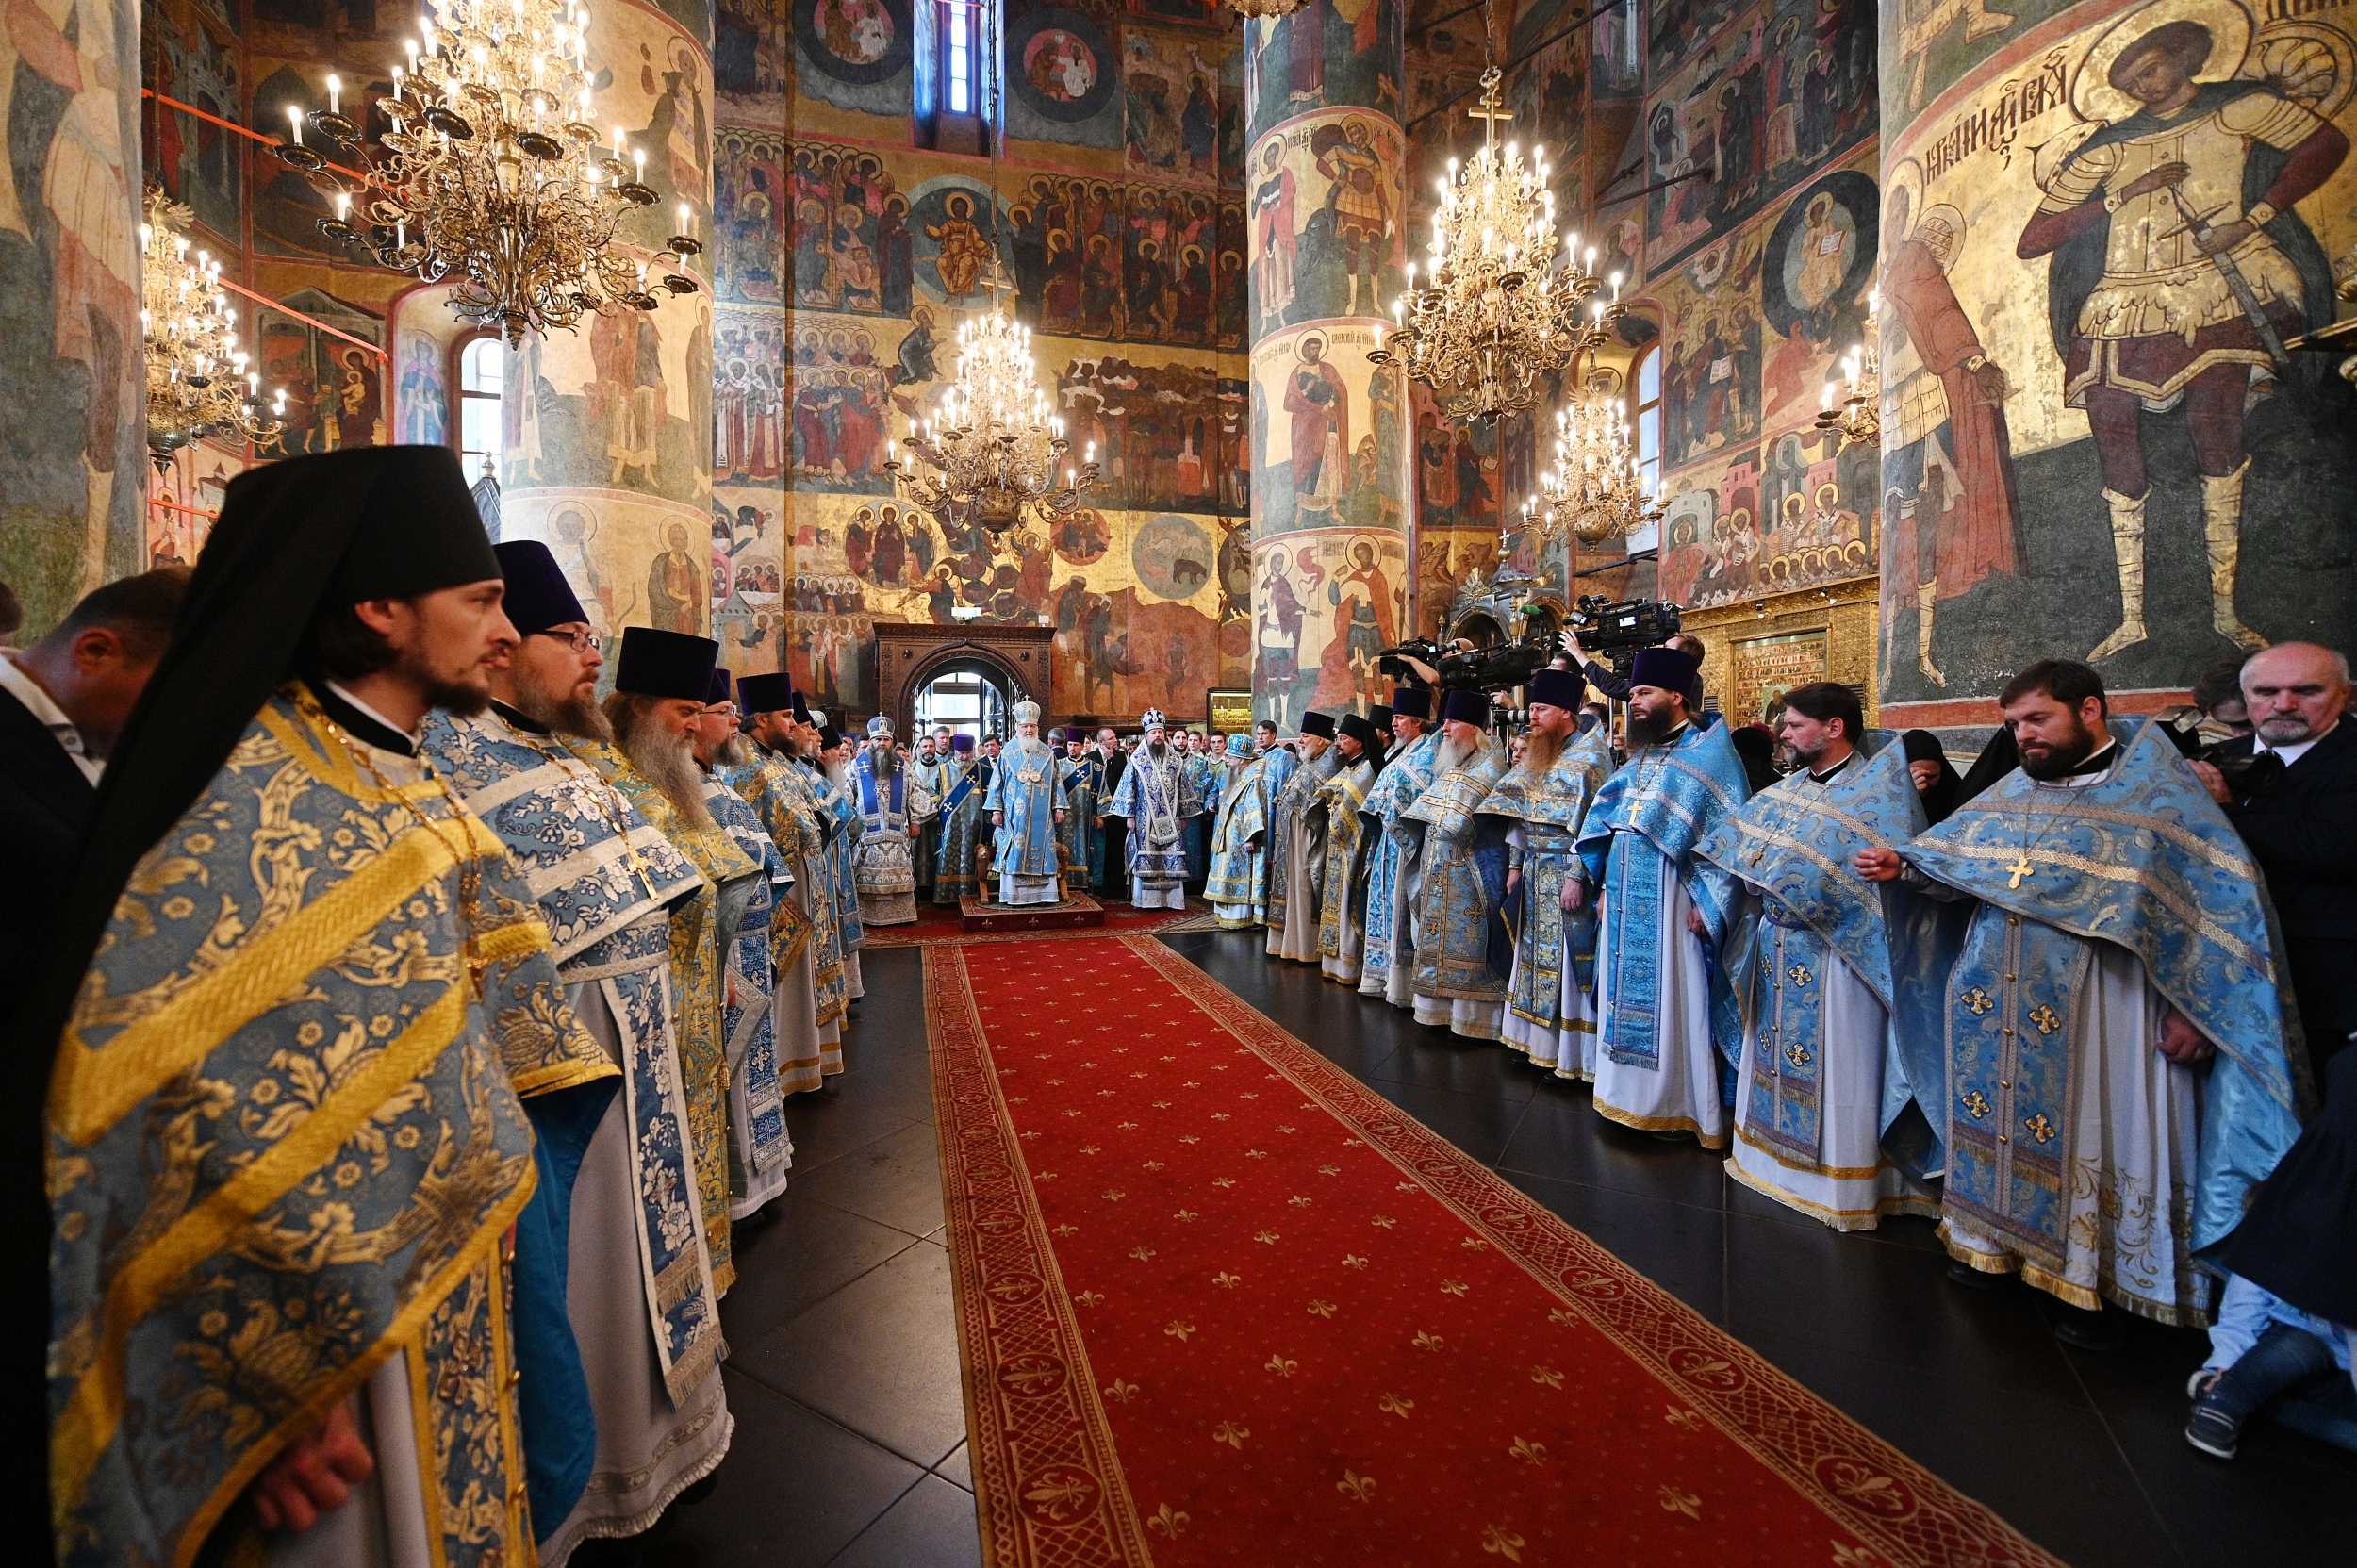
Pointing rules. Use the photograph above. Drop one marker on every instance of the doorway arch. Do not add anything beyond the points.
(1014, 659)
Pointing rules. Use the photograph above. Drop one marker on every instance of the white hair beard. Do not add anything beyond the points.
(1454, 754)
(667, 761)
(736, 751)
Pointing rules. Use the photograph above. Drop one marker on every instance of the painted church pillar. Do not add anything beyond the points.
(71, 482)
(2107, 229)
(608, 441)
(1325, 209)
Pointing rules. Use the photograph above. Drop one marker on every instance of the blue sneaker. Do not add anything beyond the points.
(2210, 1430)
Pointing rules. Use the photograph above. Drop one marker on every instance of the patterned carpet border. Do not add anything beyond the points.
(1048, 1484)
(1848, 1473)
(936, 930)
(1048, 1481)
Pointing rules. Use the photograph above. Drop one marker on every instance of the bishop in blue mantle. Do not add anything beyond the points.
(1155, 799)
(1027, 804)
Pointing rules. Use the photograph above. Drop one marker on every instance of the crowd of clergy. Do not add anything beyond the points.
(415, 1028)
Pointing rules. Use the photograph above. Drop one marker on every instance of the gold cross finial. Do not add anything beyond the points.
(1489, 108)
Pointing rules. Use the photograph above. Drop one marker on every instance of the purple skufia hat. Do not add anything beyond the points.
(961, 743)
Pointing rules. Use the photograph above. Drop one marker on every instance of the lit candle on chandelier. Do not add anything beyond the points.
(294, 118)
(686, 218)
(335, 94)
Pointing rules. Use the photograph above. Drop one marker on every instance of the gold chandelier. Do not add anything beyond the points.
(493, 173)
(1499, 308)
(1595, 490)
(1853, 407)
(198, 383)
(992, 452)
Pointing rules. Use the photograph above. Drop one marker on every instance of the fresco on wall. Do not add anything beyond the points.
(1336, 52)
(1765, 103)
(854, 54)
(1328, 433)
(851, 243)
(2087, 424)
(195, 58)
(749, 193)
(1710, 369)
(1680, 28)
(749, 67)
(616, 405)
(1939, 41)
(1063, 78)
(1169, 82)
(1325, 603)
(1458, 482)
(1814, 278)
(335, 387)
(1168, 436)
(1325, 197)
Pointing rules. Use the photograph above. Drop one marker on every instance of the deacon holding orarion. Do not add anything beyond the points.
(808, 1004)
(1027, 804)
(316, 1103)
(1668, 1034)
(1154, 798)
(605, 880)
(1395, 871)
(660, 683)
(1343, 911)
(954, 877)
(894, 808)
(770, 935)
(1549, 1013)
(1297, 845)
(1237, 882)
(2119, 1070)
(1824, 1075)
(1458, 981)
(1081, 768)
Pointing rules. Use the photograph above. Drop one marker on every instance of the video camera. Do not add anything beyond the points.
(1613, 632)
(2246, 774)
(1500, 668)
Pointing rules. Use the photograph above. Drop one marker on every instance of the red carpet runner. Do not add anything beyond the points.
(936, 924)
(1220, 1304)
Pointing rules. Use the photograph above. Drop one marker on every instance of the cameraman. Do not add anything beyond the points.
(2291, 790)
(1602, 678)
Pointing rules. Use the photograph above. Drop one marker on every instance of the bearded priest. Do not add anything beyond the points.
(605, 880)
(894, 809)
(810, 1001)
(1667, 1030)
(1825, 1074)
(1549, 1016)
(1155, 798)
(1343, 911)
(1080, 769)
(1027, 804)
(1394, 870)
(924, 766)
(1237, 884)
(1297, 845)
(1460, 976)
(319, 1071)
(961, 825)
(2117, 1044)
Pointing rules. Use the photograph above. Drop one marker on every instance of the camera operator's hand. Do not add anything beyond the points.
(1425, 672)
(1570, 639)
(1575, 893)
(2213, 780)
(2180, 1042)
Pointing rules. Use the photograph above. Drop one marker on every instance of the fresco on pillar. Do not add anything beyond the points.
(183, 499)
(191, 53)
(747, 589)
(1063, 87)
(1329, 434)
(1765, 98)
(1328, 54)
(1325, 213)
(624, 404)
(752, 63)
(1325, 603)
(1141, 601)
(2098, 245)
(424, 331)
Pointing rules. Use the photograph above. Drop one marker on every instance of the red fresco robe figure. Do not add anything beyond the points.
(1320, 407)
(1273, 236)
(1361, 598)
(1951, 543)
(859, 427)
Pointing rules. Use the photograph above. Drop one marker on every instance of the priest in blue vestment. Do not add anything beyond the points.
(605, 879)
(961, 825)
(1297, 844)
(1457, 981)
(1668, 1030)
(1830, 1062)
(1237, 882)
(809, 1003)
(1394, 870)
(2120, 1063)
(1082, 772)
(894, 808)
(1027, 804)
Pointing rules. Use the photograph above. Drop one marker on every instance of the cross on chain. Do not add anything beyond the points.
(2020, 868)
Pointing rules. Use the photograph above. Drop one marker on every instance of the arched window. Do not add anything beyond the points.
(961, 54)
(481, 381)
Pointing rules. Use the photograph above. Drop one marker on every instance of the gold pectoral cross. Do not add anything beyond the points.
(2020, 868)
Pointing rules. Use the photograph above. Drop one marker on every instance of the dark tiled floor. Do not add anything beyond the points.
(850, 1444)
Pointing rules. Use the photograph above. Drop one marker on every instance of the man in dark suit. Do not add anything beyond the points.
(63, 701)
(2300, 821)
(1113, 872)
